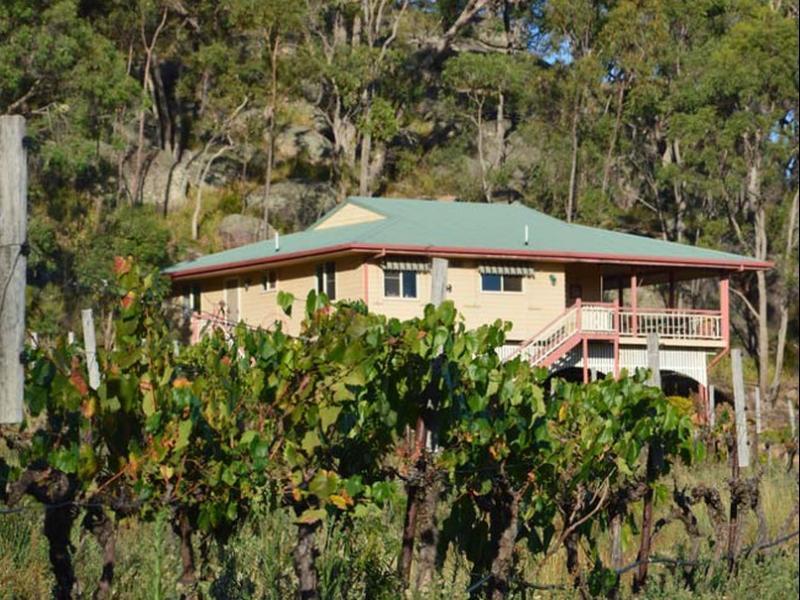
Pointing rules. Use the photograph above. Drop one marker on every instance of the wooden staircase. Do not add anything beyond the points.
(597, 320)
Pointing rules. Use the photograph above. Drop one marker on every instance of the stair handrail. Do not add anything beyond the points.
(548, 330)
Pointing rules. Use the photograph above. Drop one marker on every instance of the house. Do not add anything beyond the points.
(575, 294)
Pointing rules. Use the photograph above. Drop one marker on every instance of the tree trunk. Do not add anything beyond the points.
(305, 555)
(428, 532)
(271, 117)
(763, 316)
(654, 459)
(102, 528)
(198, 205)
(56, 490)
(616, 542)
(573, 562)
(500, 132)
(504, 558)
(366, 151)
(733, 520)
(612, 144)
(183, 527)
(57, 528)
(413, 500)
(573, 169)
(784, 305)
(485, 185)
(138, 173)
(756, 205)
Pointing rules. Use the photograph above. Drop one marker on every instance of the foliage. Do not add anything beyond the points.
(257, 419)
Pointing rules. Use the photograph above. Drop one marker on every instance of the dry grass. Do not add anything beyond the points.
(360, 563)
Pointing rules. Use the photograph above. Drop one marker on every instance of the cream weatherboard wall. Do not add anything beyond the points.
(259, 308)
(541, 299)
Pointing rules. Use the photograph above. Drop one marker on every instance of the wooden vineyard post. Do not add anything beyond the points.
(13, 252)
(740, 455)
(712, 415)
(90, 347)
(740, 407)
(654, 460)
(416, 494)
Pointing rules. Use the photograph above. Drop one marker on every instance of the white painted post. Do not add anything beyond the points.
(90, 347)
(70, 338)
(653, 360)
(13, 236)
(712, 414)
(740, 406)
(792, 422)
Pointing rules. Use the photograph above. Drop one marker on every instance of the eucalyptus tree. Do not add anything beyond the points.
(351, 51)
(493, 87)
(738, 106)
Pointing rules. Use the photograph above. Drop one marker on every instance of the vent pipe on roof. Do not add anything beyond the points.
(277, 241)
(526, 235)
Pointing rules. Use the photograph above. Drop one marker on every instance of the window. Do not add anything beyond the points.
(326, 279)
(397, 284)
(191, 299)
(493, 282)
(269, 281)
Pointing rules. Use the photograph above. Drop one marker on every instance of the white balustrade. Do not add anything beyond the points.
(600, 318)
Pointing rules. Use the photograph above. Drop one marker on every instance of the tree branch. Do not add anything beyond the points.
(747, 302)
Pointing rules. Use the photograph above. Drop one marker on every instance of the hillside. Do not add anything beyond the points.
(166, 128)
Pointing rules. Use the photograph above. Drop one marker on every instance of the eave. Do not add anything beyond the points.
(471, 252)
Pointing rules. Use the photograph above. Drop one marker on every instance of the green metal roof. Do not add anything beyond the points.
(471, 228)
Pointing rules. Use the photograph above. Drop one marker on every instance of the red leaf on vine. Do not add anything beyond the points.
(77, 380)
(121, 265)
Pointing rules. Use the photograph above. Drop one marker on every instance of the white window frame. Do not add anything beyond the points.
(324, 279)
(265, 278)
(188, 299)
(401, 296)
(502, 289)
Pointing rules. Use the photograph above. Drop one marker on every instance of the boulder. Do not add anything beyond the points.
(302, 143)
(238, 230)
(293, 204)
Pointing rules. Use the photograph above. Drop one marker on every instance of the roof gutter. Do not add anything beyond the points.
(430, 250)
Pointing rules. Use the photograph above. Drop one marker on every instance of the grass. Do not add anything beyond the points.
(359, 562)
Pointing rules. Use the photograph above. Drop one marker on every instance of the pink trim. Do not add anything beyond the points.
(585, 360)
(593, 257)
(634, 304)
(616, 340)
(541, 329)
(717, 358)
(565, 346)
(724, 308)
(682, 311)
(364, 268)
